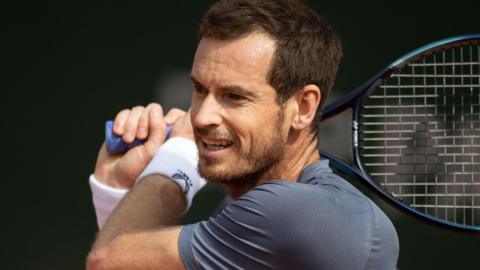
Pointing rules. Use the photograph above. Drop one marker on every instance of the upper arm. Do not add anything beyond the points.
(146, 250)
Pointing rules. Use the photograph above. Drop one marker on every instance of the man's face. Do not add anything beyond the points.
(238, 125)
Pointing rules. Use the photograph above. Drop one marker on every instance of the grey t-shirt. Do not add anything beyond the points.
(319, 222)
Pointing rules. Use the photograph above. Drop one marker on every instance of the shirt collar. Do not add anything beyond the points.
(312, 171)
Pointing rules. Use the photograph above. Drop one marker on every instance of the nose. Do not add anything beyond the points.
(206, 113)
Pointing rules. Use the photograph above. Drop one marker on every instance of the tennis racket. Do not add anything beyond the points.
(416, 132)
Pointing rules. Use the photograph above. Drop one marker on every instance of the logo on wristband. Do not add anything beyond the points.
(180, 175)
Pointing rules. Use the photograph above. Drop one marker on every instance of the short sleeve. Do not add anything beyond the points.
(284, 225)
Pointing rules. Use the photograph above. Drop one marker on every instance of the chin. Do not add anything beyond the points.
(214, 172)
(235, 176)
(219, 169)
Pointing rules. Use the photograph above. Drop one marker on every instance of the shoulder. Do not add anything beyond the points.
(326, 220)
(311, 225)
(323, 198)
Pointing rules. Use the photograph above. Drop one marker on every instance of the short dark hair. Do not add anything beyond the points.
(308, 50)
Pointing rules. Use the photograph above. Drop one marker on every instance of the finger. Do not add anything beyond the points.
(131, 124)
(119, 122)
(158, 130)
(143, 131)
(183, 127)
(173, 115)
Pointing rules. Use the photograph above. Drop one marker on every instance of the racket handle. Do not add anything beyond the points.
(116, 145)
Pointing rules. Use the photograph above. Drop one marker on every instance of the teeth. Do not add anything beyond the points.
(215, 145)
(217, 142)
(212, 147)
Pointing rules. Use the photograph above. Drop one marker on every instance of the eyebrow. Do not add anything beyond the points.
(235, 89)
(195, 81)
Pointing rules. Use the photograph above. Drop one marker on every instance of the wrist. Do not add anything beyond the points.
(177, 159)
(105, 199)
(106, 176)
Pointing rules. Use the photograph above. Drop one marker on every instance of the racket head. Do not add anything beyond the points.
(416, 132)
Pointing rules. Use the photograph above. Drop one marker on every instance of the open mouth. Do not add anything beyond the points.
(216, 144)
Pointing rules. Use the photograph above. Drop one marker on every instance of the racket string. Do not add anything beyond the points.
(420, 134)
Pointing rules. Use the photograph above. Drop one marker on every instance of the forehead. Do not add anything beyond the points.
(247, 59)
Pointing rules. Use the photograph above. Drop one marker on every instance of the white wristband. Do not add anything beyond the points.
(177, 159)
(105, 199)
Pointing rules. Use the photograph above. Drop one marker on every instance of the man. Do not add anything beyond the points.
(261, 72)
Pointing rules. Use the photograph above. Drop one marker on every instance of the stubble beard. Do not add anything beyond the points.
(253, 167)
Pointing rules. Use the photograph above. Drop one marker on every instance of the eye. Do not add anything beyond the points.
(199, 89)
(235, 97)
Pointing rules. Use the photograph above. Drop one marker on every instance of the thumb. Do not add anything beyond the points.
(173, 115)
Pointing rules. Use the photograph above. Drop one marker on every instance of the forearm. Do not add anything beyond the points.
(155, 203)
(138, 234)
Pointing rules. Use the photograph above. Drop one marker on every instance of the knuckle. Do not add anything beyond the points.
(180, 112)
(123, 112)
(153, 104)
(137, 108)
(173, 111)
(143, 121)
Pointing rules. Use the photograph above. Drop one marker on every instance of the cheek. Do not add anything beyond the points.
(251, 129)
(241, 127)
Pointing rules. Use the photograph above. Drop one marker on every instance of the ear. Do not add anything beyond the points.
(307, 99)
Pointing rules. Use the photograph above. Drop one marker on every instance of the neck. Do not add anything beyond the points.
(301, 151)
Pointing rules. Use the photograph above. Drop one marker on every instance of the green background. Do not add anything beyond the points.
(69, 66)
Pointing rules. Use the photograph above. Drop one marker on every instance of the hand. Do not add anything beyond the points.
(182, 124)
(121, 171)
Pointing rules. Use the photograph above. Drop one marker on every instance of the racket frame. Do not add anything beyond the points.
(355, 100)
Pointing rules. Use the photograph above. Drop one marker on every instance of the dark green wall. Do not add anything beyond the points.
(68, 67)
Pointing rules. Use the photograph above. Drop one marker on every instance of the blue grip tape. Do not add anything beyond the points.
(116, 145)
